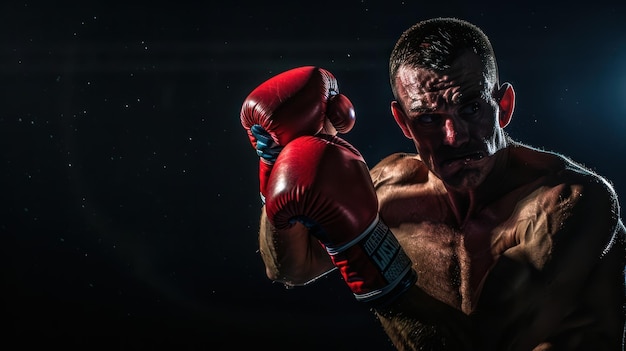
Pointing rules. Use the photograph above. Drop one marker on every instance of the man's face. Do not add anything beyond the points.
(452, 119)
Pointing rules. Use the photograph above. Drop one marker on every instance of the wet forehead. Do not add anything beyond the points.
(425, 89)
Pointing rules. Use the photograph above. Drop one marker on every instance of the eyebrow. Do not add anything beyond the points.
(463, 99)
(422, 109)
(473, 95)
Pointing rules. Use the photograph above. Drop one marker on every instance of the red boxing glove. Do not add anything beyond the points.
(294, 103)
(324, 183)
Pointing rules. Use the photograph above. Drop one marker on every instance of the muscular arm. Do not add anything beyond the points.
(292, 256)
(560, 286)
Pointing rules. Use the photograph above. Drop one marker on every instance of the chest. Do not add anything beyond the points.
(452, 261)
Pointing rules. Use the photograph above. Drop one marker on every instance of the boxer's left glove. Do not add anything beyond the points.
(294, 103)
(323, 182)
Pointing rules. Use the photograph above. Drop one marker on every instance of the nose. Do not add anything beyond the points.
(455, 132)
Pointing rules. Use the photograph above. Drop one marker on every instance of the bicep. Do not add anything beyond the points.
(581, 237)
(535, 285)
(569, 230)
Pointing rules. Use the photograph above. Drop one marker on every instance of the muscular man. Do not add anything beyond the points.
(511, 247)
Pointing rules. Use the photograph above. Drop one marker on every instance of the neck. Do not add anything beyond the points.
(466, 203)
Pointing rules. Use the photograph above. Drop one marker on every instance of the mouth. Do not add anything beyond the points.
(464, 159)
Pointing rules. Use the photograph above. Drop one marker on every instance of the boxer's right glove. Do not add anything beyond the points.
(294, 103)
(323, 182)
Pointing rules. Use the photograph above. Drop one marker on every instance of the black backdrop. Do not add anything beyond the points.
(129, 189)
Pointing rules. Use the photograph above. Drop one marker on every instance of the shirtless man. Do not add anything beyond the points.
(476, 242)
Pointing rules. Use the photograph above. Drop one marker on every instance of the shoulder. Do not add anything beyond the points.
(566, 176)
(589, 188)
(399, 169)
(562, 207)
(595, 195)
(575, 195)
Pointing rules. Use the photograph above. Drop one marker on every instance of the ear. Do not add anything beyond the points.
(506, 103)
(400, 118)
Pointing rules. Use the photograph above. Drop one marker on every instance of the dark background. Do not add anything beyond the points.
(129, 188)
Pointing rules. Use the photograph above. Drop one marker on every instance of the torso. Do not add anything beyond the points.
(452, 257)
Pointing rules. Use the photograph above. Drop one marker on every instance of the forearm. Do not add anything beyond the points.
(291, 256)
(417, 321)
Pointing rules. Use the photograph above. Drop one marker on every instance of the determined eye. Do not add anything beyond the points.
(470, 109)
(428, 118)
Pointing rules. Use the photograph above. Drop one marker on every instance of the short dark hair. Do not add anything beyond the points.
(435, 43)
